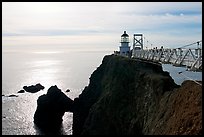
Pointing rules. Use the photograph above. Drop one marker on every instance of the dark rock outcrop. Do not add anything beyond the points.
(21, 91)
(51, 108)
(33, 88)
(12, 95)
(125, 97)
(68, 90)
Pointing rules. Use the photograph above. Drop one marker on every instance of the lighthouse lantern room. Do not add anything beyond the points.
(124, 48)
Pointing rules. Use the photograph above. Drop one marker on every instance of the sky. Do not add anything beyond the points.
(100, 25)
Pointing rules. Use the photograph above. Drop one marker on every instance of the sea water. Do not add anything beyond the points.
(68, 69)
(180, 74)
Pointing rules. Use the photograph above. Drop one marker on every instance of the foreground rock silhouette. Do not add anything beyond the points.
(51, 108)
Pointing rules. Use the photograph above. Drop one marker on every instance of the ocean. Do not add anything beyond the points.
(68, 69)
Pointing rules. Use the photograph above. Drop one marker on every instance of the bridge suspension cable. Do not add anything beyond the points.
(190, 44)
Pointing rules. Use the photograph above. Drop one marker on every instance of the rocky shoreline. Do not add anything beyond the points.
(127, 97)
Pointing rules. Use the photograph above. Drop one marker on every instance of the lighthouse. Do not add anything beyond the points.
(124, 48)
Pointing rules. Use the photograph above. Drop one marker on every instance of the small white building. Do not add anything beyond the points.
(124, 48)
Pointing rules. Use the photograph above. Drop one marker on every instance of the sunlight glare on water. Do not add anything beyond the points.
(66, 69)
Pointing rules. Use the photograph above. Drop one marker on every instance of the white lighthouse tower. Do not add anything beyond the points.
(124, 48)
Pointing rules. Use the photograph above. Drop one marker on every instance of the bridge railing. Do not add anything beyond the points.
(191, 58)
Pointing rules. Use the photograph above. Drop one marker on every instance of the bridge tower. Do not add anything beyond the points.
(138, 42)
(124, 48)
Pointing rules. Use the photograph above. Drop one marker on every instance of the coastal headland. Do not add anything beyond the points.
(132, 97)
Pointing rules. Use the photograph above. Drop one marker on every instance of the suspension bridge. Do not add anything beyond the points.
(189, 56)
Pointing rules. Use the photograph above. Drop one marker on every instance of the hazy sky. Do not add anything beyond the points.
(100, 24)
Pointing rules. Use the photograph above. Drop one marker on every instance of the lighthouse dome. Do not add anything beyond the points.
(125, 34)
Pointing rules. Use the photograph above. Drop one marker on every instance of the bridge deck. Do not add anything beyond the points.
(191, 58)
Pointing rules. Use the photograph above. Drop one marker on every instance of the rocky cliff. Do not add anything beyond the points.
(133, 97)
